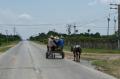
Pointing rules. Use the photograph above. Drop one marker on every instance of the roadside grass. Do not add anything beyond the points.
(3, 49)
(111, 67)
(104, 60)
(93, 50)
(6, 46)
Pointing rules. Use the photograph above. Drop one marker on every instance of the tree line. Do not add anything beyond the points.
(86, 40)
(8, 38)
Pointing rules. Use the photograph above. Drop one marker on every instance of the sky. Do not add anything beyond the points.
(45, 15)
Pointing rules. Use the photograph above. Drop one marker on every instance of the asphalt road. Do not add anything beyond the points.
(27, 61)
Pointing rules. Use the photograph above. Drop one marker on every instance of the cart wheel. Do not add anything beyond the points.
(63, 55)
(46, 55)
(54, 56)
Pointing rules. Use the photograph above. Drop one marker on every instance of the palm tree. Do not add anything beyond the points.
(88, 31)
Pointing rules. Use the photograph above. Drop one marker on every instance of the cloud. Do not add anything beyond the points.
(8, 16)
(104, 1)
(25, 16)
(92, 3)
(109, 1)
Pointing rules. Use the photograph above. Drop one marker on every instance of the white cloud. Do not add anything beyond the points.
(92, 3)
(109, 1)
(8, 16)
(105, 1)
(25, 16)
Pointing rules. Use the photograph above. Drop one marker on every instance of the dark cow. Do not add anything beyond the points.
(76, 49)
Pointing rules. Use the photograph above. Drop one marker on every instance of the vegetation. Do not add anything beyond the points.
(6, 39)
(111, 67)
(7, 46)
(93, 50)
(86, 40)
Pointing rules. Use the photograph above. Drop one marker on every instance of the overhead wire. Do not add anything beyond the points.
(37, 26)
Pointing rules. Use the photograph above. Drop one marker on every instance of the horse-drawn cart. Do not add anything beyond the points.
(52, 53)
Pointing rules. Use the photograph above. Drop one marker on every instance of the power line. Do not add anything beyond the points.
(95, 20)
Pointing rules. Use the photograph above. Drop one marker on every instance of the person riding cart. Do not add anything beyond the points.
(51, 44)
(55, 45)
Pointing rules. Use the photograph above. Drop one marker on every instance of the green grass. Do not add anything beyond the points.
(67, 48)
(3, 49)
(6, 46)
(93, 50)
(111, 67)
(88, 50)
(100, 63)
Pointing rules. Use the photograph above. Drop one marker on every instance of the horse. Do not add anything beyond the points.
(77, 50)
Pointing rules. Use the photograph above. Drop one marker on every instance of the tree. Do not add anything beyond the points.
(97, 35)
(52, 33)
(88, 31)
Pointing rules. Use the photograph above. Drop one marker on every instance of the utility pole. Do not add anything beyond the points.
(14, 30)
(118, 26)
(108, 25)
(6, 35)
(115, 21)
(118, 34)
(69, 29)
(74, 29)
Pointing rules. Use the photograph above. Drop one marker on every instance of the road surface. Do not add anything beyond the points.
(27, 61)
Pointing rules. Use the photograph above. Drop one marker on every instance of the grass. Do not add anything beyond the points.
(93, 50)
(105, 62)
(113, 51)
(3, 49)
(111, 67)
(6, 46)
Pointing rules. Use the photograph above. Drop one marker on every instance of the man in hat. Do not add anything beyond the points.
(51, 43)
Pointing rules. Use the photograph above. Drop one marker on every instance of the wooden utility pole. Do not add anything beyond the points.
(118, 26)
(6, 35)
(115, 21)
(14, 30)
(118, 34)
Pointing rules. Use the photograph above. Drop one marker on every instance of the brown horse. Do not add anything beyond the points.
(76, 49)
